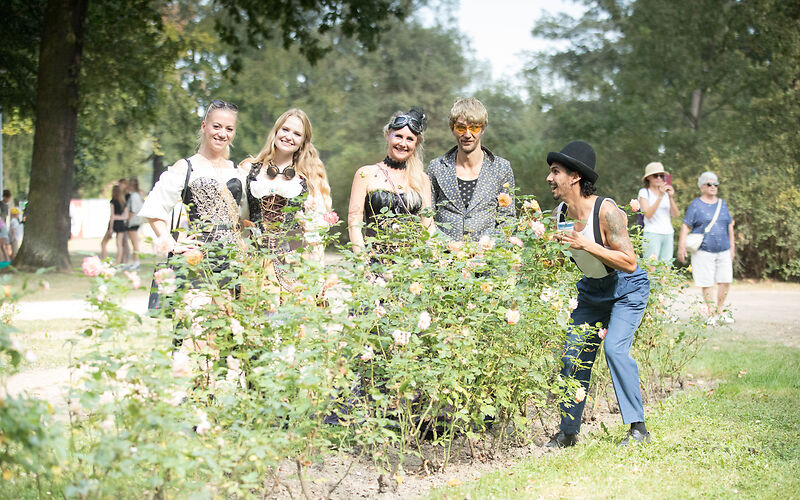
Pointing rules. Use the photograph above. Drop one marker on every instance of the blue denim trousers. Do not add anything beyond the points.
(617, 302)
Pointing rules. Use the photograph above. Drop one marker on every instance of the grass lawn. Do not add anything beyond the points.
(69, 285)
(740, 439)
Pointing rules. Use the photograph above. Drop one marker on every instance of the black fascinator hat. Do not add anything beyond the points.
(415, 119)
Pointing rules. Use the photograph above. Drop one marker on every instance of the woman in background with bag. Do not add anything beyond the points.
(707, 232)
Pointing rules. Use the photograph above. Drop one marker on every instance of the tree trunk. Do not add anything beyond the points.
(47, 229)
(158, 167)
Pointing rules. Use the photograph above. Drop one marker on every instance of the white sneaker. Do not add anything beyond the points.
(134, 266)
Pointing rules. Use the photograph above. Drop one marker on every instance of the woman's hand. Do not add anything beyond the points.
(682, 253)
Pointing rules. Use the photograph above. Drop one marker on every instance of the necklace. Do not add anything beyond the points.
(398, 165)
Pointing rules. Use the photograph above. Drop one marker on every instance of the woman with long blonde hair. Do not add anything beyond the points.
(287, 173)
(398, 182)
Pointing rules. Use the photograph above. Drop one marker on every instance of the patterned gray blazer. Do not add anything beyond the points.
(483, 215)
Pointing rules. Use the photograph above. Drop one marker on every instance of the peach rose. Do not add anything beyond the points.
(455, 245)
(504, 199)
(634, 204)
(515, 241)
(486, 287)
(415, 288)
(193, 257)
(580, 394)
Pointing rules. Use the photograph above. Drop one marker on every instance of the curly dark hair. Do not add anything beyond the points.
(587, 187)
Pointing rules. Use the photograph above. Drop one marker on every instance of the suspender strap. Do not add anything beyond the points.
(174, 229)
(598, 236)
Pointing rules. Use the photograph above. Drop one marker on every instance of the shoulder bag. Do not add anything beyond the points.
(154, 300)
(694, 240)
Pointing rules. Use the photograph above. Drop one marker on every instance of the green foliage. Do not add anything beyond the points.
(374, 353)
(697, 85)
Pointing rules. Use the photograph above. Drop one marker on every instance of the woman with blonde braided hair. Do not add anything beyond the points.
(287, 172)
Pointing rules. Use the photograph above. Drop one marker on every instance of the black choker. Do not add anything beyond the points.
(399, 165)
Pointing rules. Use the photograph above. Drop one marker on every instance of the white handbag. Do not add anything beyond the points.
(694, 240)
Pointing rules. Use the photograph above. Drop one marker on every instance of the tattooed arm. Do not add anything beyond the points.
(614, 228)
(618, 252)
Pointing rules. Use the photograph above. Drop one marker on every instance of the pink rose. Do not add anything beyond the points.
(538, 228)
(515, 241)
(163, 275)
(92, 266)
(512, 316)
(136, 281)
(573, 303)
(635, 205)
(602, 333)
(331, 218)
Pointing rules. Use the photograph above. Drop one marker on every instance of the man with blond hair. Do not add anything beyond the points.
(472, 188)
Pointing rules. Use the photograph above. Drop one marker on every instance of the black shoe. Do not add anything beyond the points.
(562, 440)
(635, 435)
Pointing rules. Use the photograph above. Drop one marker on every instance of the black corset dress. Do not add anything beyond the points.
(273, 204)
(214, 208)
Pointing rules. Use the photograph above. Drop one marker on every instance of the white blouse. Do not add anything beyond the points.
(166, 194)
(661, 222)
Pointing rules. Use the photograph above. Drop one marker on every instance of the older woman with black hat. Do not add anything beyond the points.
(613, 291)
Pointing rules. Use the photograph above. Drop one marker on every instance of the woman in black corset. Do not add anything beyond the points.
(287, 194)
(209, 184)
(398, 183)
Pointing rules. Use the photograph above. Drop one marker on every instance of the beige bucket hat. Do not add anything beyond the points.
(653, 168)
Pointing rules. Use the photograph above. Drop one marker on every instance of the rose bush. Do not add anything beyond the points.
(267, 360)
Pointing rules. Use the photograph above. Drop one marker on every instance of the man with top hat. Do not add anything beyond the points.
(612, 294)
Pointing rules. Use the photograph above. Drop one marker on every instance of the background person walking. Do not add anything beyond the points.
(712, 263)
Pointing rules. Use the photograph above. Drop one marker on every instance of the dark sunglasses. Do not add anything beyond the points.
(401, 121)
(712, 184)
(662, 176)
(288, 172)
(219, 104)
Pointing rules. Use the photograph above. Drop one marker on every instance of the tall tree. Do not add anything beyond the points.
(698, 85)
(62, 32)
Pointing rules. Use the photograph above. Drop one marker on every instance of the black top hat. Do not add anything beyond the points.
(577, 156)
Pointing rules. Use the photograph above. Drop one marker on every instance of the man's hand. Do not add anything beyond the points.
(574, 239)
